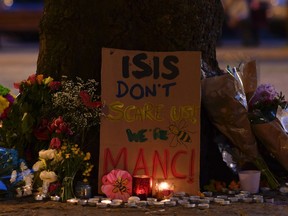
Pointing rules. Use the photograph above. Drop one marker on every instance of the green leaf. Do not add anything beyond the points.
(27, 123)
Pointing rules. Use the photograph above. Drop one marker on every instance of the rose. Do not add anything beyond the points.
(39, 165)
(54, 187)
(54, 85)
(55, 143)
(47, 154)
(48, 176)
(59, 126)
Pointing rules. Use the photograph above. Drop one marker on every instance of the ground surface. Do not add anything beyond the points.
(29, 207)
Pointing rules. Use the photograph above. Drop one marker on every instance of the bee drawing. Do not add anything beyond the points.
(182, 136)
(120, 185)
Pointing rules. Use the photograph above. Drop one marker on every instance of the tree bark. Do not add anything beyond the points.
(73, 32)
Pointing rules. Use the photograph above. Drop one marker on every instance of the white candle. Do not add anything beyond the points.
(106, 201)
(39, 197)
(72, 201)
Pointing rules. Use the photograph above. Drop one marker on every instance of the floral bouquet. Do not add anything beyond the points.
(267, 110)
(52, 116)
(225, 100)
(58, 166)
(41, 100)
(31, 105)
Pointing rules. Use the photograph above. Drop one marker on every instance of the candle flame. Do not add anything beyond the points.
(163, 186)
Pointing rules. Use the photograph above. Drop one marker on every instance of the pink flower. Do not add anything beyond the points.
(59, 126)
(55, 143)
(117, 185)
(32, 78)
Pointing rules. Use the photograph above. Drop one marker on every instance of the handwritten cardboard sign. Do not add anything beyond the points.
(152, 115)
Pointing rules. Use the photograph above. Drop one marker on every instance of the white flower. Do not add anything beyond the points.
(27, 190)
(23, 166)
(47, 154)
(28, 180)
(48, 176)
(39, 165)
(13, 176)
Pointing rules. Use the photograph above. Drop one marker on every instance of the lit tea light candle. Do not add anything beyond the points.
(72, 201)
(106, 201)
(38, 197)
(164, 190)
(55, 198)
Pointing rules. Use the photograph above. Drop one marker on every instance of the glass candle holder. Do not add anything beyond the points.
(142, 186)
(164, 190)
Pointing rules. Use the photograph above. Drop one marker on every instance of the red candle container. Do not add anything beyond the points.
(142, 186)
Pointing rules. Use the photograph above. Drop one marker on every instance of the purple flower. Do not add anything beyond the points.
(264, 94)
(10, 98)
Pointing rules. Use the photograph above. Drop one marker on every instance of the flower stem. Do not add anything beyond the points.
(262, 166)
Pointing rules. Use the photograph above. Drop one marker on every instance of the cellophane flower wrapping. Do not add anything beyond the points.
(225, 99)
(219, 96)
(268, 111)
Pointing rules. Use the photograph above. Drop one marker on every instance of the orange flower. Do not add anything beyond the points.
(234, 185)
(39, 78)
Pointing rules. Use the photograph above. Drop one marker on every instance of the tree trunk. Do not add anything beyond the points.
(72, 33)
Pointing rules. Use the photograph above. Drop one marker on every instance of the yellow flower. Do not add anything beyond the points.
(87, 156)
(67, 156)
(4, 103)
(47, 80)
